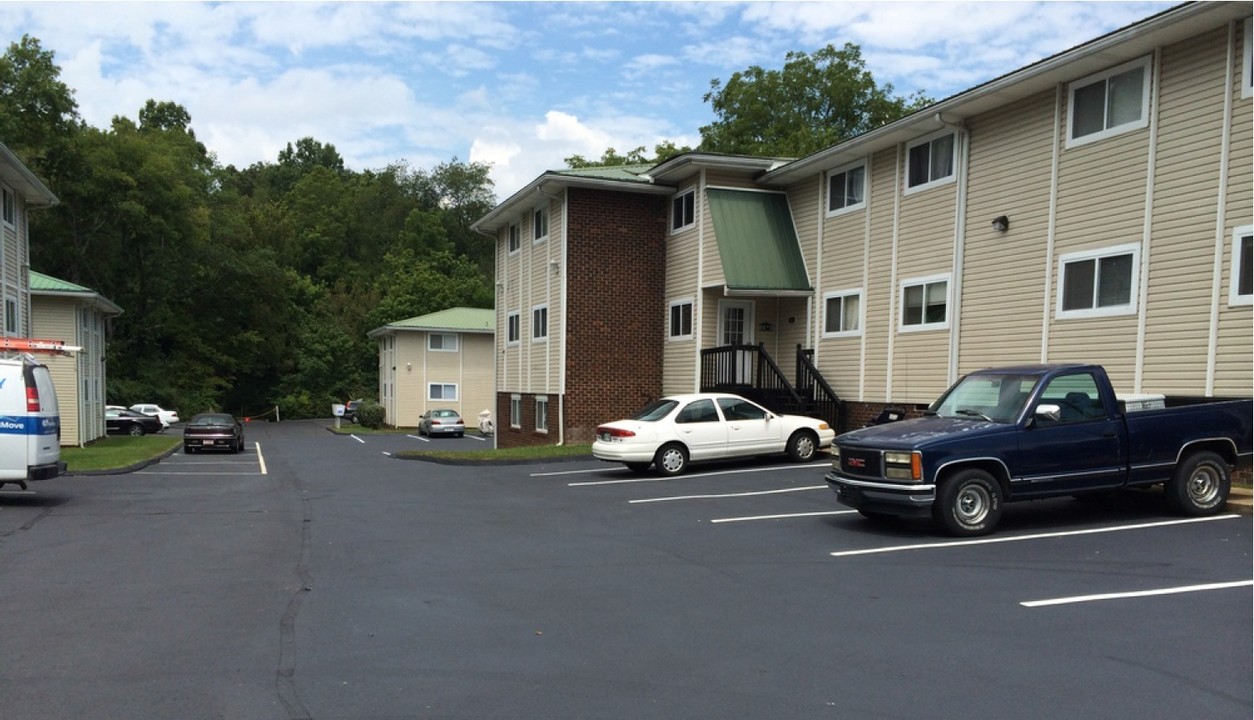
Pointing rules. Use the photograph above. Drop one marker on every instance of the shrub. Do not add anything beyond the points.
(370, 415)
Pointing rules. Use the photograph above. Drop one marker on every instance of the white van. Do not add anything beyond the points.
(30, 422)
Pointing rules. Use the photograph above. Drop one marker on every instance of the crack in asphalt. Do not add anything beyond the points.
(285, 675)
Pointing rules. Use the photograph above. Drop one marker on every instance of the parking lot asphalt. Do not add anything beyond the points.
(316, 576)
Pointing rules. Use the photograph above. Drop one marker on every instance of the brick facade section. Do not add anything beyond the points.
(615, 317)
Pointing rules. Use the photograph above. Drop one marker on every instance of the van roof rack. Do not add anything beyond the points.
(33, 345)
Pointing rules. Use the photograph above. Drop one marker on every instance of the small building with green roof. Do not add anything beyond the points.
(78, 316)
(443, 359)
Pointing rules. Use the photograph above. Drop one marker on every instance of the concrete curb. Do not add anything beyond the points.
(1241, 500)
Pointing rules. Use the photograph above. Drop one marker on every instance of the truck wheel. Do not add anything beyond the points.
(1200, 485)
(802, 446)
(671, 459)
(969, 503)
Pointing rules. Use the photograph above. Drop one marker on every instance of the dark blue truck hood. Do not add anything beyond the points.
(920, 433)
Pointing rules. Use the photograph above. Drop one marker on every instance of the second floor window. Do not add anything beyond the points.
(681, 320)
(684, 210)
(930, 162)
(515, 238)
(925, 303)
(540, 225)
(446, 342)
(10, 207)
(513, 327)
(1099, 282)
(540, 323)
(846, 190)
(842, 313)
(1242, 281)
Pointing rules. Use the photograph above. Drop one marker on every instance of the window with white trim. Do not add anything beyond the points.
(925, 303)
(842, 313)
(10, 207)
(540, 323)
(846, 189)
(684, 210)
(540, 225)
(10, 316)
(1247, 60)
(442, 342)
(1241, 281)
(515, 411)
(1108, 103)
(515, 238)
(1097, 283)
(680, 325)
(442, 391)
(930, 161)
(542, 413)
(513, 327)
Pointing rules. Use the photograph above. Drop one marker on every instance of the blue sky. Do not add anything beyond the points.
(519, 85)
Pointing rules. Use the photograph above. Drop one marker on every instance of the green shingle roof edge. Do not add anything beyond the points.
(456, 319)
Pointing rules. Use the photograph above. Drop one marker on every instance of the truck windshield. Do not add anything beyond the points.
(995, 398)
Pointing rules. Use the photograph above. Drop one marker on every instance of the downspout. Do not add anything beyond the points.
(866, 281)
(816, 317)
(699, 297)
(1221, 211)
(1052, 222)
(960, 223)
(564, 199)
(1147, 222)
(892, 280)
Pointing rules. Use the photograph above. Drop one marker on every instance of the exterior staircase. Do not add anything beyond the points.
(750, 371)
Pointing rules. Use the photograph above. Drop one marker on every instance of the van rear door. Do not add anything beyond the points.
(44, 421)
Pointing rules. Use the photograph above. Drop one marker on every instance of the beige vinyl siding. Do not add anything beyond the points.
(542, 286)
(478, 385)
(729, 178)
(57, 319)
(711, 261)
(680, 357)
(925, 247)
(843, 246)
(470, 368)
(510, 298)
(881, 287)
(1182, 239)
(409, 381)
(1101, 203)
(1003, 283)
(1234, 367)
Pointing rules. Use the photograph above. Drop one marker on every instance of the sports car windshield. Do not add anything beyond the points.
(993, 398)
(656, 411)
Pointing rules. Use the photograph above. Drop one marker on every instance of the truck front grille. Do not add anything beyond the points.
(862, 463)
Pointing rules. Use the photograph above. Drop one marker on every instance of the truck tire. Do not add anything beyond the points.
(802, 446)
(1200, 484)
(968, 503)
(671, 459)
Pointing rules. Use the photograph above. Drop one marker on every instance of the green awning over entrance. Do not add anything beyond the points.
(757, 241)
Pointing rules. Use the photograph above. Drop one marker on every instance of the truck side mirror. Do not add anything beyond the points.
(1046, 411)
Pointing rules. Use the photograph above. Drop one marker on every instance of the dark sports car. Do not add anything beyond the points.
(129, 422)
(208, 431)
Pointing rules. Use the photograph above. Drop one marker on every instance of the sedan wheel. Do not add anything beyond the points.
(135, 430)
(802, 446)
(671, 459)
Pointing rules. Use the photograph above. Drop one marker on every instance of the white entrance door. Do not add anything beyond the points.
(735, 327)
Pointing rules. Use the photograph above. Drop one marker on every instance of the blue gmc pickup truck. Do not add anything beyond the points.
(1025, 433)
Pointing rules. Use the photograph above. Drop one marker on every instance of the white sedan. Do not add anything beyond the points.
(168, 417)
(679, 429)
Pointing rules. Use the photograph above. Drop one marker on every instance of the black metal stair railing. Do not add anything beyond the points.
(825, 403)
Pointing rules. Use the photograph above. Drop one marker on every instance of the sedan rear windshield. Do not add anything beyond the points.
(213, 420)
(656, 411)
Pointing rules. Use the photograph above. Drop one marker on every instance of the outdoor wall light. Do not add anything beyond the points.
(1001, 223)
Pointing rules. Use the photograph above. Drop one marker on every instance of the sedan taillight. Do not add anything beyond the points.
(615, 432)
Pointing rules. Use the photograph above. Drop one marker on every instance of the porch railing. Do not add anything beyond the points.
(825, 403)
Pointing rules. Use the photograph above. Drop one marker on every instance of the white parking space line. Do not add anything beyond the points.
(476, 437)
(418, 437)
(788, 516)
(261, 460)
(728, 495)
(363, 442)
(1137, 594)
(1037, 536)
(658, 478)
(16, 492)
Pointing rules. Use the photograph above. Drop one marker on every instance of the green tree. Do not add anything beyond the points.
(662, 152)
(38, 113)
(815, 101)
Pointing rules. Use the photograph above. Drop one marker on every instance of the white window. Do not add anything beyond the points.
(10, 316)
(540, 323)
(846, 189)
(1247, 60)
(442, 342)
(925, 303)
(10, 207)
(842, 313)
(930, 161)
(684, 210)
(1108, 103)
(513, 327)
(542, 413)
(1241, 283)
(681, 320)
(515, 238)
(540, 225)
(442, 391)
(515, 411)
(1098, 282)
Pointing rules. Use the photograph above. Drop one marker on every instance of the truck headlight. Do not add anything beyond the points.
(835, 453)
(903, 466)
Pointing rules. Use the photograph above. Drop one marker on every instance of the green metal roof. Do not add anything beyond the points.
(458, 319)
(630, 173)
(757, 241)
(41, 284)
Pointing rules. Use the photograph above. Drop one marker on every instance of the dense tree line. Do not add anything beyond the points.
(246, 288)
